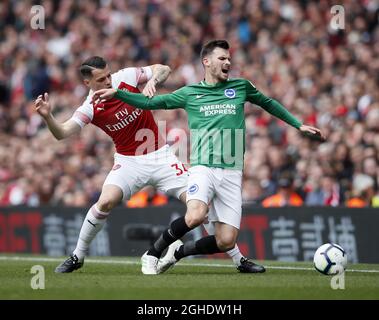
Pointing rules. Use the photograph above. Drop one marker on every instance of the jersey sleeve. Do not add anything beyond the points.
(132, 76)
(174, 100)
(84, 114)
(272, 106)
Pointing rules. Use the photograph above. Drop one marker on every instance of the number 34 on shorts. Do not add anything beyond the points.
(180, 168)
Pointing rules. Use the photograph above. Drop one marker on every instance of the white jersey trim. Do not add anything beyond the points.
(131, 76)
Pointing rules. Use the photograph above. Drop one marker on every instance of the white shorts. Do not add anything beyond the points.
(221, 188)
(160, 169)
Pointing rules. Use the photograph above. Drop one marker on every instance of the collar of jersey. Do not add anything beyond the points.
(218, 84)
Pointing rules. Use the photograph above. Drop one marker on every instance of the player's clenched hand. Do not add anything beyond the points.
(149, 89)
(42, 105)
(312, 133)
(103, 95)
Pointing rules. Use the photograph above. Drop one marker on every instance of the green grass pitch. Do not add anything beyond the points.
(121, 278)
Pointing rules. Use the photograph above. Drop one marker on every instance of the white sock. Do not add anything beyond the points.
(92, 224)
(236, 255)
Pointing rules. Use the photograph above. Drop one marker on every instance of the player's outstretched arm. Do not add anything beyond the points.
(59, 130)
(173, 100)
(278, 110)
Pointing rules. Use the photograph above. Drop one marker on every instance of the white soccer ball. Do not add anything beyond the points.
(330, 259)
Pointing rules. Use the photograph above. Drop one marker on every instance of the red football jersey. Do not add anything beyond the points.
(133, 131)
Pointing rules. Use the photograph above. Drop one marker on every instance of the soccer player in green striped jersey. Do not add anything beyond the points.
(215, 109)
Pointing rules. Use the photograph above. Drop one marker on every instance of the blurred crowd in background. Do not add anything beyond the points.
(327, 78)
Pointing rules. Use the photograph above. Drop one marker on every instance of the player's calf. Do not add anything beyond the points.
(178, 228)
(196, 212)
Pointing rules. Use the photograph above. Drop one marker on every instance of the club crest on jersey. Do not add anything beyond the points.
(100, 107)
(230, 93)
(193, 189)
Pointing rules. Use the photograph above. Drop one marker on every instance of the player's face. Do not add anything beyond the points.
(101, 79)
(218, 64)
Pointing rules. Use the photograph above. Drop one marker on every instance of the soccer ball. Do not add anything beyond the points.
(330, 258)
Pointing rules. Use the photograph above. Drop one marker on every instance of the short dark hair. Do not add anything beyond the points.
(91, 63)
(211, 45)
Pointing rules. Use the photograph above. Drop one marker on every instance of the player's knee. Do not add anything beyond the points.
(226, 242)
(106, 204)
(193, 220)
(196, 213)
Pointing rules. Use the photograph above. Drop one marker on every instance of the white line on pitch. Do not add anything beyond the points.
(110, 261)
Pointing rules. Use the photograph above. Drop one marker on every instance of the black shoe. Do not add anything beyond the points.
(248, 266)
(71, 264)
